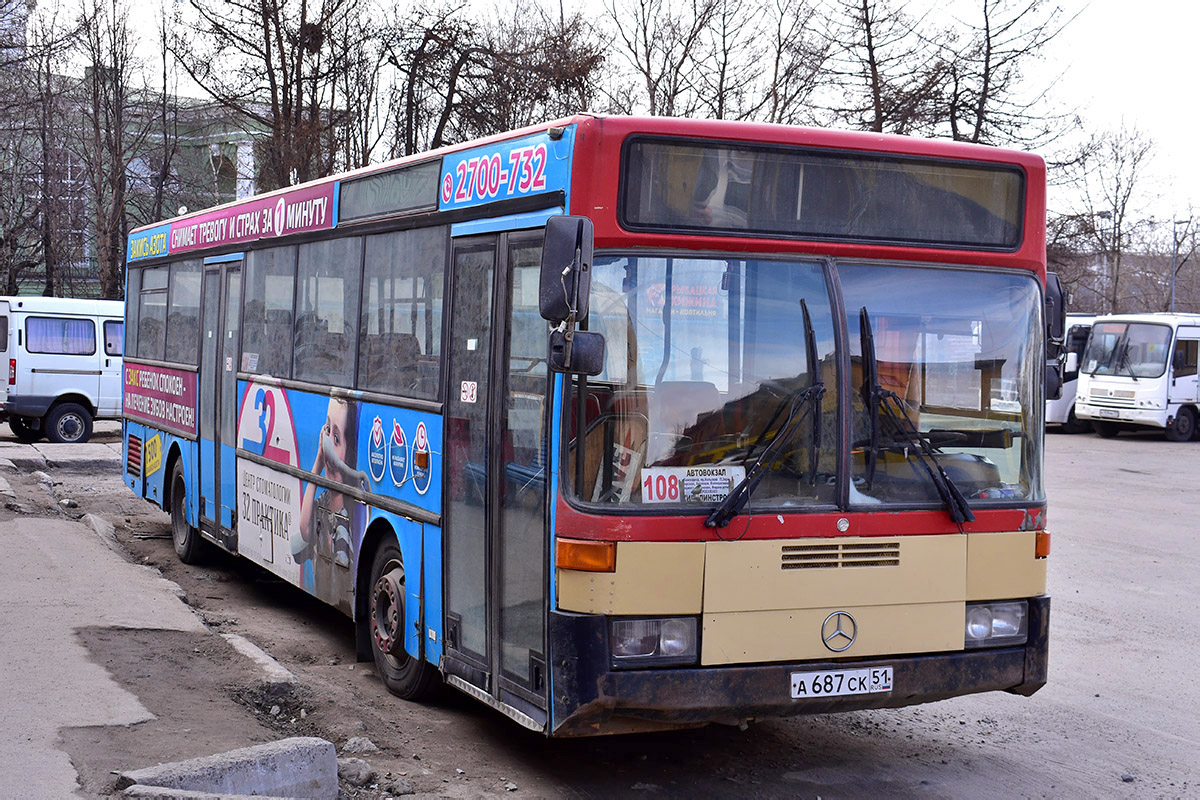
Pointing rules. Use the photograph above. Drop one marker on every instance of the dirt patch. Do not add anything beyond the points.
(189, 682)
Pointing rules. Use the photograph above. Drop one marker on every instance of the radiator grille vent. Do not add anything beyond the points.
(832, 556)
(133, 462)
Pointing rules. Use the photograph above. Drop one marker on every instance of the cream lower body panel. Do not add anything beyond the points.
(739, 637)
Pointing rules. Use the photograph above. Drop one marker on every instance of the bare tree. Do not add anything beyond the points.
(269, 61)
(987, 64)
(113, 133)
(1110, 219)
(662, 41)
(888, 77)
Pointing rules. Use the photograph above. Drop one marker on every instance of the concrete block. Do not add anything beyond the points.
(304, 767)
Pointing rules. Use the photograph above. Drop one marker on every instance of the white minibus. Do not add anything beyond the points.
(1139, 372)
(62, 359)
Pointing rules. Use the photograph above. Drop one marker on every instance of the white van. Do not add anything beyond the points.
(1140, 371)
(63, 364)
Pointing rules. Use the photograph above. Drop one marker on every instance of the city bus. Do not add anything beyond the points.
(623, 424)
(1139, 373)
(1060, 411)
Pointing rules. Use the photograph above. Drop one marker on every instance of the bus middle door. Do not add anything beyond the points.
(220, 346)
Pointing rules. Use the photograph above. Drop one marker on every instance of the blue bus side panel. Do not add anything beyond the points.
(134, 482)
(433, 595)
(408, 536)
(228, 484)
(208, 477)
(157, 449)
(311, 534)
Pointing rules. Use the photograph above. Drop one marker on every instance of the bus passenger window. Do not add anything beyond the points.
(183, 313)
(327, 311)
(152, 314)
(401, 324)
(267, 325)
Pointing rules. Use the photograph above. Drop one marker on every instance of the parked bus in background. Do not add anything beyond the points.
(623, 424)
(62, 358)
(1139, 372)
(1060, 412)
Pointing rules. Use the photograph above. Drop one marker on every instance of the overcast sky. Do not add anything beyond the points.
(1134, 60)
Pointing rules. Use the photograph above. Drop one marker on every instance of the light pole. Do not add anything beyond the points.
(1175, 256)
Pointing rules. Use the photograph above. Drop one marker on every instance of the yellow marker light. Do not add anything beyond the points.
(1041, 548)
(586, 555)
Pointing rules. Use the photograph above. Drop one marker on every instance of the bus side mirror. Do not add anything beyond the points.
(583, 355)
(1056, 331)
(566, 276)
(1072, 362)
(1056, 315)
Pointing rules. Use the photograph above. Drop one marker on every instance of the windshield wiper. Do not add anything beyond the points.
(877, 400)
(808, 399)
(1123, 359)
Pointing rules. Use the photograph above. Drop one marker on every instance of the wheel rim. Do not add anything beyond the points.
(1185, 423)
(179, 527)
(387, 612)
(69, 427)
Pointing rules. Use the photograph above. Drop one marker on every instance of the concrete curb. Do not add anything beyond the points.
(304, 767)
(102, 527)
(159, 793)
(88, 457)
(275, 672)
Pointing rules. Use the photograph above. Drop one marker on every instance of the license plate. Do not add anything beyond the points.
(1111, 413)
(807, 685)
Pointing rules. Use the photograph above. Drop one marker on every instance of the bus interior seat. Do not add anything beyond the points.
(391, 362)
(677, 406)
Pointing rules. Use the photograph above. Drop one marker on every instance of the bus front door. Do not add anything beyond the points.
(496, 478)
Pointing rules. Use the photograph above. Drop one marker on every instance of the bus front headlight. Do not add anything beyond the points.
(996, 624)
(653, 642)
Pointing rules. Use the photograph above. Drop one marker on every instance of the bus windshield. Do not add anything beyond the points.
(706, 355)
(1135, 349)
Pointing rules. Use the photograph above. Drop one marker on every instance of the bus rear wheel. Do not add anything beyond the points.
(189, 545)
(1183, 428)
(404, 676)
(22, 428)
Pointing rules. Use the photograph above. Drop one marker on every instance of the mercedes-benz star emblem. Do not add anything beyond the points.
(839, 631)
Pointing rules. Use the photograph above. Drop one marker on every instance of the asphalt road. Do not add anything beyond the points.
(1117, 719)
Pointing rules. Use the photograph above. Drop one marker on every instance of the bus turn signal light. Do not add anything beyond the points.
(1041, 548)
(586, 556)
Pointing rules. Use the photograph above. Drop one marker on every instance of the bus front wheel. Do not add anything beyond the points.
(402, 674)
(189, 545)
(1183, 428)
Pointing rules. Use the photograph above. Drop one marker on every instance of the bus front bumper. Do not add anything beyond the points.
(589, 697)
